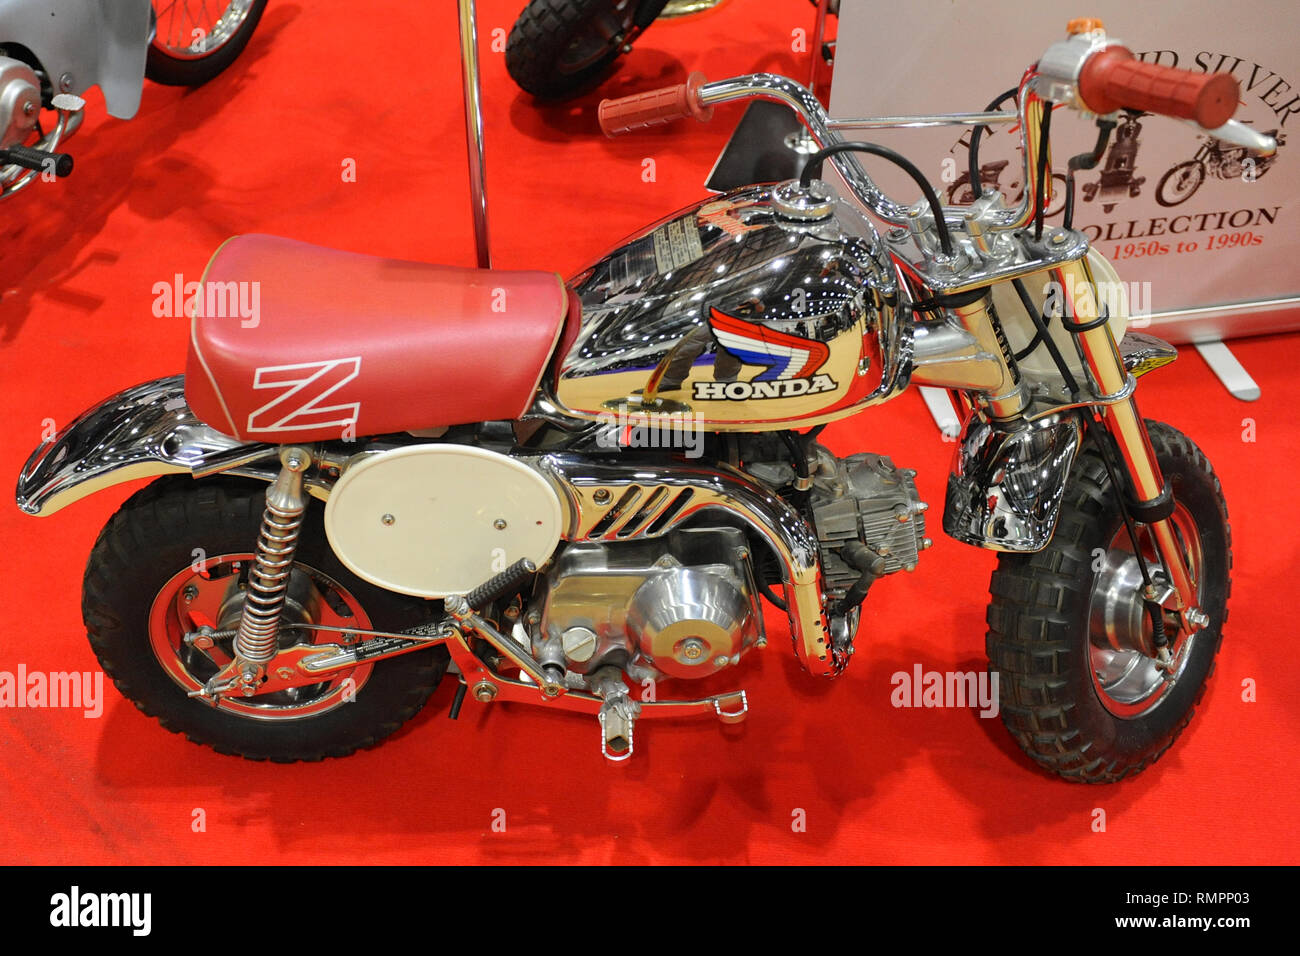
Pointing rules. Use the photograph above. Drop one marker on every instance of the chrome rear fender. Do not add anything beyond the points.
(144, 431)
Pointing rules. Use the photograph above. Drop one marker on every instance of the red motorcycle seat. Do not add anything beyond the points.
(294, 342)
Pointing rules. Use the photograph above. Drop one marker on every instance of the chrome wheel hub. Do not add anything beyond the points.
(210, 595)
(1129, 681)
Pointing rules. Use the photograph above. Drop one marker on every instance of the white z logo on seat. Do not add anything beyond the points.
(307, 385)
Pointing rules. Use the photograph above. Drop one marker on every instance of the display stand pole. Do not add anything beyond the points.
(474, 129)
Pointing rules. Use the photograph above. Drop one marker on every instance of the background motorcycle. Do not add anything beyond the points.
(1224, 161)
(52, 51)
(262, 623)
(559, 47)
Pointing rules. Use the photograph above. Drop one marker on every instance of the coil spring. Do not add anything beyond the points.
(267, 583)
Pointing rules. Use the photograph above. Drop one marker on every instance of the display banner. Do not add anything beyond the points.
(1209, 234)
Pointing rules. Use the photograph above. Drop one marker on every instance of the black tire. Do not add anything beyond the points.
(556, 48)
(1041, 645)
(163, 66)
(149, 545)
(1186, 179)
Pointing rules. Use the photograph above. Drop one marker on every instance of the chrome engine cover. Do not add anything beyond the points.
(20, 101)
(683, 605)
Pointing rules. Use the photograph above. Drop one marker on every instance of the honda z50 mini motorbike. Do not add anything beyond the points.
(348, 506)
(52, 51)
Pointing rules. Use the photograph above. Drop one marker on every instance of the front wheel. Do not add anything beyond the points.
(175, 558)
(193, 42)
(1177, 185)
(558, 47)
(1066, 624)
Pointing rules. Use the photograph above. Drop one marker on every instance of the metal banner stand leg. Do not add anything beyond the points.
(474, 129)
(941, 410)
(1231, 372)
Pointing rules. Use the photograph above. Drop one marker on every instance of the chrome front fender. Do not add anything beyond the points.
(142, 432)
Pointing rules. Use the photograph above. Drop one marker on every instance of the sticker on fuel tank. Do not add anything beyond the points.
(677, 244)
(791, 362)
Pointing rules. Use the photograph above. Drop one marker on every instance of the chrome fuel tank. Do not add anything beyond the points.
(739, 317)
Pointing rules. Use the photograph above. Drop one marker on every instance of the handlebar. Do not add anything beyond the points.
(1112, 79)
(1085, 71)
(654, 108)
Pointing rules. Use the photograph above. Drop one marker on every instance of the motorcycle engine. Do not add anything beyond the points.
(686, 604)
(683, 605)
(862, 501)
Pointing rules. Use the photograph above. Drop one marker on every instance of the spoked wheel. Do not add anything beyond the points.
(557, 47)
(1178, 184)
(1069, 636)
(194, 40)
(174, 561)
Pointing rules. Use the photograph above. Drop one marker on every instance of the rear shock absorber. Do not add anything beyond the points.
(259, 623)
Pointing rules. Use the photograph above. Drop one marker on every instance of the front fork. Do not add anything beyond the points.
(1152, 500)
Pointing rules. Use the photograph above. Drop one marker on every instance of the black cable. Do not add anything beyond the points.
(973, 152)
(1098, 433)
(955, 301)
(771, 596)
(1044, 135)
(814, 164)
(1040, 324)
(799, 458)
(1084, 161)
(1042, 334)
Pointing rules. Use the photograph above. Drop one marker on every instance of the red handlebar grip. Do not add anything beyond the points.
(1113, 79)
(655, 107)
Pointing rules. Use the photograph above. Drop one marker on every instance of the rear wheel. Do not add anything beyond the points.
(175, 558)
(1066, 624)
(557, 47)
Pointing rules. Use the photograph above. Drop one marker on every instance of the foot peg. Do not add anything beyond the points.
(617, 717)
(60, 164)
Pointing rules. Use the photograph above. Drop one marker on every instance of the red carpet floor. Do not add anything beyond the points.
(261, 149)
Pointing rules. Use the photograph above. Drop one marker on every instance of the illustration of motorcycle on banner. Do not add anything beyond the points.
(960, 193)
(386, 478)
(1216, 159)
(1118, 176)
